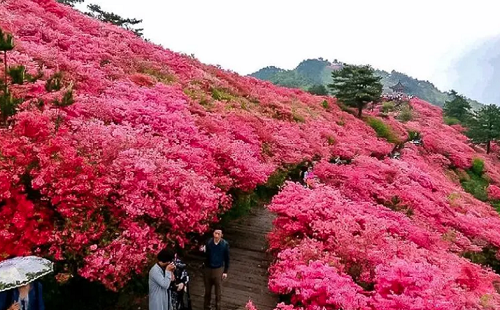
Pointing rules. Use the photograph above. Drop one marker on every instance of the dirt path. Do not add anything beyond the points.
(248, 277)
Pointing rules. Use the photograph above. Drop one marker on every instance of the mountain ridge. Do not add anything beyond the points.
(318, 71)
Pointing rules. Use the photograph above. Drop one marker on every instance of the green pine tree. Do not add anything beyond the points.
(458, 108)
(109, 17)
(70, 2)
(356, 86)
(318, 89)
(484, 126)
(6, 45)
(7, 102)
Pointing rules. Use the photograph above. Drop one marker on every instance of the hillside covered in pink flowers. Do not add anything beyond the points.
(119, 147)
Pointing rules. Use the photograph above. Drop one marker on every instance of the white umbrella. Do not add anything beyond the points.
(20, 271)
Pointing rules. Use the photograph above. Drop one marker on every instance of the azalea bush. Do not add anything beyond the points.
(119, 147)
(336, 252)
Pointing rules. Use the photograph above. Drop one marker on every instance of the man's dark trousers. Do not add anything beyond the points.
(213, 277)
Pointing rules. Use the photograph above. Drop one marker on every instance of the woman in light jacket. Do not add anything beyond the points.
(160, 277)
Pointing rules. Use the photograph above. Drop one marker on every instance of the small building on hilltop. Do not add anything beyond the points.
(335, 65)
(398, 88)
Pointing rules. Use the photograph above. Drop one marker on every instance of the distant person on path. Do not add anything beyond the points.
(160, 277)
(215, 267)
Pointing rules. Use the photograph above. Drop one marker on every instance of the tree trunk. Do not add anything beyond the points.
(5, 73)
(360, 111)
(488, 144)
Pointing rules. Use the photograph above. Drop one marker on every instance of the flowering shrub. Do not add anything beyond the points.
(155, 141)
(146, 147)
(341, 253)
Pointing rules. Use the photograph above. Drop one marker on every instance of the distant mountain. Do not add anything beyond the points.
(318, 71)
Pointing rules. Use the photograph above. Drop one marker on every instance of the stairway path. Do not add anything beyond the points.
(247, 277)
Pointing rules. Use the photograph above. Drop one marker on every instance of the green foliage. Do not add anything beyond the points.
(318, 71)
(6, 41)
(382, 130)
(388, 106)
(451, 121)
(487, 257)
(290, 79)
(298, 118)
(244, 202)
(17, 74)
(356, 86)
(166, 78)
(318, 89)
(477, 187)
(458, 108)
(109, 17)
(54, 83)
(267, 73)
(8, 105)
(414, 135)
(325, 104)
(496, 205)
(307, 74)
(66, 100)
(474, 182)
(70, 2)
(396, 204)
(477, 166)
(406, 114)
(312, 69)
(220, 94)
(484, 126)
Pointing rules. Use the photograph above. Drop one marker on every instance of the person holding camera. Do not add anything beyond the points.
(161, 276)
(181, 299)
(215, 267)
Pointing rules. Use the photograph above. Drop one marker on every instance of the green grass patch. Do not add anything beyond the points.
(451, 120)
(382, 129)
(165, 78)
(221, 94)
(388, 106)
(298, 118)
(406, 114)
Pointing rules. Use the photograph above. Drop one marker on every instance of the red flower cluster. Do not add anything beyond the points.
(340, 252)
(150, 147)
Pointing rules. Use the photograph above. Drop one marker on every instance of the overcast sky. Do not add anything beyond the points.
(420, 38)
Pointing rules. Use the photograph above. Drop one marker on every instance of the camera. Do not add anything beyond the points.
(179, 265)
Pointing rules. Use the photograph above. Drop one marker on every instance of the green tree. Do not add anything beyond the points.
(318, 89)
(6, 45)
(484, 126)
(7, 102)
(70, 2)
(108, 17)
(458, 108)
(356, 86)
